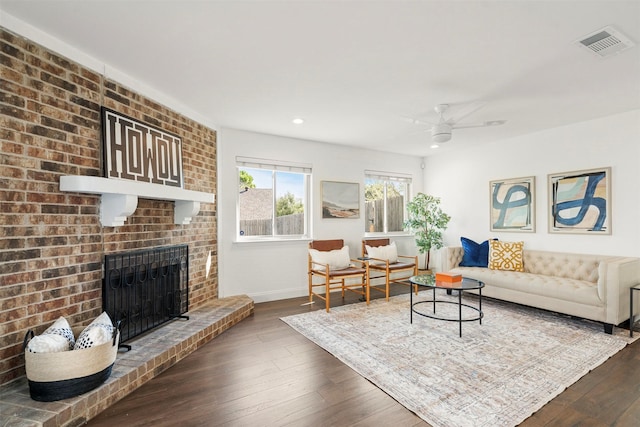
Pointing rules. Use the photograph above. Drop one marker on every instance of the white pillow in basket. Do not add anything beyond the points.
(61, 327)
(388, 252)
(98, 332)
(48, 343)
(338, 259)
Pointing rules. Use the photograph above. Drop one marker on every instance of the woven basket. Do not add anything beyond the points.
(56, 376)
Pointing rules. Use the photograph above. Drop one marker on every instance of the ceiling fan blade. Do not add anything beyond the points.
(479, 125)
(457, 113)
(416, 121)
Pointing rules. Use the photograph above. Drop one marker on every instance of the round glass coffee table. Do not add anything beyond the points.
(466, 284)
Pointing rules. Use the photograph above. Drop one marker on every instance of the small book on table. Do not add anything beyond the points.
(448, 277)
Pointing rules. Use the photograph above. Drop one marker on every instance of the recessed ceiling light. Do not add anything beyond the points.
(435, 146)
(298, 121)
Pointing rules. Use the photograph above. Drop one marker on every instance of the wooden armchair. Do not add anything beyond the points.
(397, 270)
(331, 268)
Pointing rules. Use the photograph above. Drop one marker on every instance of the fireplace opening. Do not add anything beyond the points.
(144, 289)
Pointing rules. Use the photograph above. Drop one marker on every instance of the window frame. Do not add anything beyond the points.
(388, 177)
(275, 166)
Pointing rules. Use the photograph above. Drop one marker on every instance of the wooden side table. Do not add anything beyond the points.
(631, 316)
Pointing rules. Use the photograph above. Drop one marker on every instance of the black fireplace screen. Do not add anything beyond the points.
(144, 289)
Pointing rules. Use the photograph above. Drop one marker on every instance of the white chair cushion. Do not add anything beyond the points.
(388, 253)
(337, 259)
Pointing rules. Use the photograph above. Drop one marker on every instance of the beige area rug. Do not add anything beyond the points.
(497, 374)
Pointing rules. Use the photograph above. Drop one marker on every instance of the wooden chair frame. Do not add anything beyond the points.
(336, 279)
(408, 265)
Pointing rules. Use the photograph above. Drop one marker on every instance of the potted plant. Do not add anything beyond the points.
(427, 221)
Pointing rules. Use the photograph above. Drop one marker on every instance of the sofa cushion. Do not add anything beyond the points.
(475, 254)
(572, 266)
(506, 255)
(533, 286)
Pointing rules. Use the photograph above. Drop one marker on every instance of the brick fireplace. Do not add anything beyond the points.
(144, 289)
(52, 243)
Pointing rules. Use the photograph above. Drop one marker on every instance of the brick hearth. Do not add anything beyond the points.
(151, 354)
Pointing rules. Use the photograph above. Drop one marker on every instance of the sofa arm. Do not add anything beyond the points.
(452, 257)
(621, 274)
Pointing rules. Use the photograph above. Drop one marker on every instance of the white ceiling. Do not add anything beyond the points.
(354, 69)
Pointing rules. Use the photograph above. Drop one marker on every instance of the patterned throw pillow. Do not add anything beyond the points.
(98, 332)
(61, 327)
(506, 255)
(48, 343)
(387, 253)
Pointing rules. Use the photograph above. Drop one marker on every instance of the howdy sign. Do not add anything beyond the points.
(138, 152)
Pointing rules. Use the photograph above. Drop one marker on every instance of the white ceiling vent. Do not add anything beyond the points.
(605, 42)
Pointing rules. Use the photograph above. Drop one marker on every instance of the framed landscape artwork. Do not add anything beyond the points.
(513, 204)
(340, 199)
(580, 202)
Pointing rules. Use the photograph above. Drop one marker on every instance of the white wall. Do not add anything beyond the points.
(268, 271)
(275, 270)
(462, 180)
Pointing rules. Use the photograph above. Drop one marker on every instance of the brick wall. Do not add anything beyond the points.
(51, 243)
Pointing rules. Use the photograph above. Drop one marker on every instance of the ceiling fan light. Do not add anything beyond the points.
(441, 137)
(441, 133)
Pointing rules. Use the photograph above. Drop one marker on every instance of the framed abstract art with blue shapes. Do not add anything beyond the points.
(580, 202)
(513, 204)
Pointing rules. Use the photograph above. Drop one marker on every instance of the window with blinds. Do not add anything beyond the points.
(273, 199)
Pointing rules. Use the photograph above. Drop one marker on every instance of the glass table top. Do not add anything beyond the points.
(429, 280)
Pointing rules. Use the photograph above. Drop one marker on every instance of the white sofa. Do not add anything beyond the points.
(592, 287)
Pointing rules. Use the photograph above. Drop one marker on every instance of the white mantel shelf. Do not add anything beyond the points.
(120, 197)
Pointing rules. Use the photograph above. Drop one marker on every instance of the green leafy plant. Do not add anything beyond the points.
(288, 205)
(246, 180)
(427, 221)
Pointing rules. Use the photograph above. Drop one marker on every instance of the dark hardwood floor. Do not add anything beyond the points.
(263, 373)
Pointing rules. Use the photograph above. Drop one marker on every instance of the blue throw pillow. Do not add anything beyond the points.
(475, 254)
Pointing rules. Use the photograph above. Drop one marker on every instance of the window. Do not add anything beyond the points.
(273, 199)
(385, 196)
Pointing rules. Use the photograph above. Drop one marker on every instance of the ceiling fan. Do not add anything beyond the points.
(441, 131)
